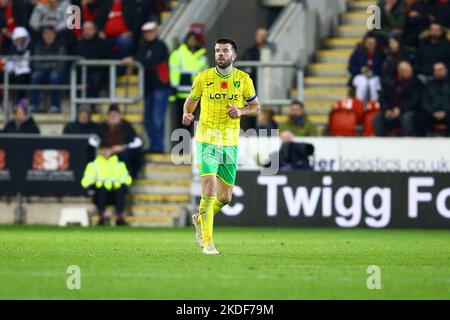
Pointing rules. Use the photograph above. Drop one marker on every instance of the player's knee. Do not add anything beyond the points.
(225, 198)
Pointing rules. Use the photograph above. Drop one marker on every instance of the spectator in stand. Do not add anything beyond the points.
(416, 22)
(23, 122)
(298, 122)
(19, 66)
(365, 66)
(124, 141)
(267, 122)
(400, 103)
(48, 72)
(393, 19)
(83, 124)
(153, 54)
(432, 49)
(292, 155)
(440, 12)
(397, 52)
(11, 16)
(91, 47)
(254, 54)
(436, 98)
(185, 62)
(107, 180)
(117, 21)
(52, 14)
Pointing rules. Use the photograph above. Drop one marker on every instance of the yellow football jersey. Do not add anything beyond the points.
(215, 92)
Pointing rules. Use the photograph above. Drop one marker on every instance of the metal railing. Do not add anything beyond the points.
(7, 86)
(263, 82)
(77, 62)
(112, 65)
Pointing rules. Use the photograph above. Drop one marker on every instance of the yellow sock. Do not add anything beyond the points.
(218, 206)
(206, 218)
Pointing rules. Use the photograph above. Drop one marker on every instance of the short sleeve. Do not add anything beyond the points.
(196, 91)
(249, 90)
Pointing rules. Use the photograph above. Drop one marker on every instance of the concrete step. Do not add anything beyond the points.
(160, 190)
(46, 118)
(164, 175)
(350, 31)
(325, 93)
(158, 182)
(169, 158)
(318, 106)
(328, 69)
(157, 209)
(134, 118)
(319, 82)
(333, 56)
(360, 6)
(158, 186)
(356, 18)
(341, 43)
(127, 92)
(159, 198)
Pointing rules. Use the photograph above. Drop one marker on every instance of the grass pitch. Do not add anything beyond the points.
(256, 263)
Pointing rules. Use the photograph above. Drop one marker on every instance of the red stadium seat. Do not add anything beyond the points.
(440, 129)
(343, 122)
(373, 109)
(354, 104)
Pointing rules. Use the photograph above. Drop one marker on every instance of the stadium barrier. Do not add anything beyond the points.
(345, 200)
(33, 165)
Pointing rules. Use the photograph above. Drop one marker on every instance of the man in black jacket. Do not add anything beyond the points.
(400, 103)
(433, 49)
(120, 134)
(117, 21)
(84, 125)
(91, 46)
(48, 72)
(154, 55)
(22, 122)
(436, 99)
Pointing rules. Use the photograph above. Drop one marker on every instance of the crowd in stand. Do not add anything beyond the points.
(111, 29)
(404, 66)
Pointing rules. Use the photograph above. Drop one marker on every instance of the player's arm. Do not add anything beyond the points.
(188, 110)
(253, 105)
(192, 101)
(251, 110)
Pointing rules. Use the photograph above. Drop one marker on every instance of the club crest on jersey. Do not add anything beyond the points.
(237, 84)
(224, 85)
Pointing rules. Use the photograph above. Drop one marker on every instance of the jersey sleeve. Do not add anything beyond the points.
(249, 90)
(196, 91)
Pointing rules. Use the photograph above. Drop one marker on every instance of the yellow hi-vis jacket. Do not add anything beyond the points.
(184, 66)
(109, 173)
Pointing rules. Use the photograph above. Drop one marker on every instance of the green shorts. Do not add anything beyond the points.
(217, 160)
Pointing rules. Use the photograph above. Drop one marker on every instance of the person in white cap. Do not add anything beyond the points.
(19, 66)
(154, 55)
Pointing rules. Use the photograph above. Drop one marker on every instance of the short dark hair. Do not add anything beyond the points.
(298, 102)
(226, 41)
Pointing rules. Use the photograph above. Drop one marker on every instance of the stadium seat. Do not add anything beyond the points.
(354, 104)
(343, 122)
(440, 129)
(373, 109)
